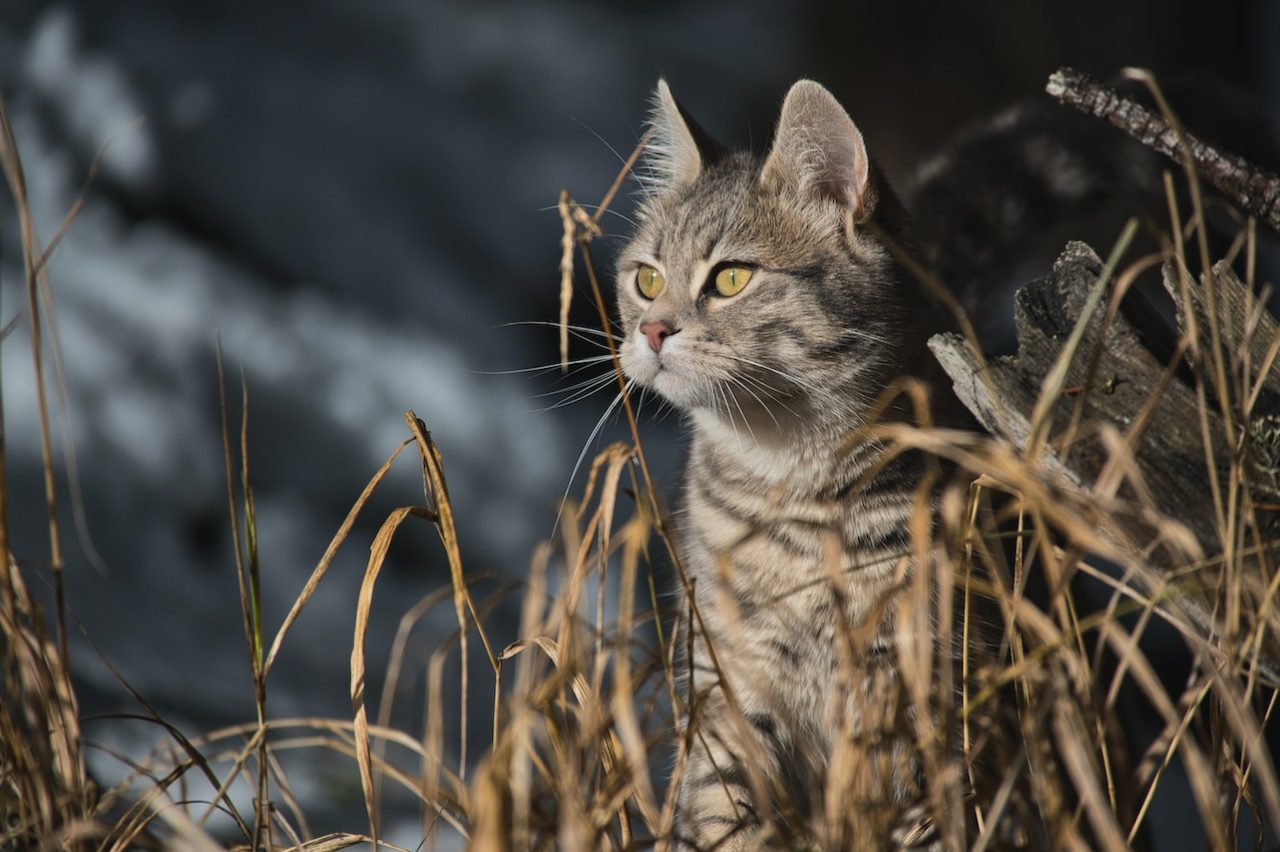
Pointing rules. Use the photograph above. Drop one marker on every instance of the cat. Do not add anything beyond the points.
(761, 297)
(774, 300)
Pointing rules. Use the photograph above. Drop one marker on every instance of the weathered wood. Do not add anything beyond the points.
(1121, 376)
(1246, 330)
(1241, 317)
(1114, 379)
(1252, 188)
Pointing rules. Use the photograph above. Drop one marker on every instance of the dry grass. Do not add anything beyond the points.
(1024, 689)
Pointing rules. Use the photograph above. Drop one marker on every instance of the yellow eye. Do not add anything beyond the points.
(731, 280)
(650, 281)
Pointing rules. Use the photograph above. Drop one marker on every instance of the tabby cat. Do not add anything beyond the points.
(760, 297)
(768, 299)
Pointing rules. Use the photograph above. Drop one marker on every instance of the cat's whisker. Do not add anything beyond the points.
(584, 206)
(603, 141)
(558, 386)
(586, 329)
(865, 335)
(758, 382)
(585, 387)
(626, 388)
(664, 409)
(728, 413)
(745, 420)
(660, 410)
(582, 362)
(578, 331)
(737, 381)
(796, 380)
(773, 396)
(589, 389)
(767, 389)
(577, 386)
(728, 416)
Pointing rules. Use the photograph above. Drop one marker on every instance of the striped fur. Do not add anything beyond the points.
(792, 539)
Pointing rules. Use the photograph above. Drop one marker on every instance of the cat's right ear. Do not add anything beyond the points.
(677, 149)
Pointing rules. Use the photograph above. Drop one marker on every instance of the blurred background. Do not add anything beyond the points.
(359, 198)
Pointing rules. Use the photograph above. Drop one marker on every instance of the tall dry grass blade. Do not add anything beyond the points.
(189, 747)
(238, 764)
(262, 807)
(12, 164)
(364, 601)
(42, 761)
(627, 166)
(433, 477)
(322, 567)
(247, 582)
(229, 469)
(251, 538)
(635, 535)
(566, 276)
(187, 837)
(395, 659)
(291, 801)
(333, 842)
(70, 457)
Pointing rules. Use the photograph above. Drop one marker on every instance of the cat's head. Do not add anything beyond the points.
(758, 290)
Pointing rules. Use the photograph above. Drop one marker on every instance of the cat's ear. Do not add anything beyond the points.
(678, 149)
(819, 151)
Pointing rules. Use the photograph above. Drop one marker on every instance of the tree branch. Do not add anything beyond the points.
(1254, 189)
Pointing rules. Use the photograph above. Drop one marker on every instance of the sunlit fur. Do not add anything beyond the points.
(820, 317)
(775, 503)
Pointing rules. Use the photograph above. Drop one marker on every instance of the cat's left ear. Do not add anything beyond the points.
(819, 151)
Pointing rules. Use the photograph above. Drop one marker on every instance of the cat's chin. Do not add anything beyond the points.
(676, 389)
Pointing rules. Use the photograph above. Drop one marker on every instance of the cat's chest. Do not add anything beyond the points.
(762, 535)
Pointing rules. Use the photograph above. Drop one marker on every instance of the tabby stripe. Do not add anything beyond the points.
(764, 723)
(747, 604)
(777, 534)
(714, 484)
(713, 468)
(881, 541)
(771, 530)
(720, 504)
(876, 523)
(732, 776)
(897, 475)
(806, 273)
(716, 819)
(785, 650)
(782, 328)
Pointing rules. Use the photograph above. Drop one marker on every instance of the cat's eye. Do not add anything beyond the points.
(649, 281)
(731, 279)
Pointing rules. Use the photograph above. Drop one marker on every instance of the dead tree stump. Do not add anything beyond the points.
(1120, 399)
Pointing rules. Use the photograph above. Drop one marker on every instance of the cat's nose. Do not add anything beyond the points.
(657, 331)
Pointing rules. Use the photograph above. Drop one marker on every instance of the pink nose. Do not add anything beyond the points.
(657, 331)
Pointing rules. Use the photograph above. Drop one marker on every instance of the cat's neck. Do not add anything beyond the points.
(804, 462)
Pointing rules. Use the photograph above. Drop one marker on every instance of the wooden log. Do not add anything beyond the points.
(1113, 378)
(1249, 343)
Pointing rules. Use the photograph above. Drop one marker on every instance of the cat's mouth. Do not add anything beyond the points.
(670, 373)
(681, 387)
(661, 373)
